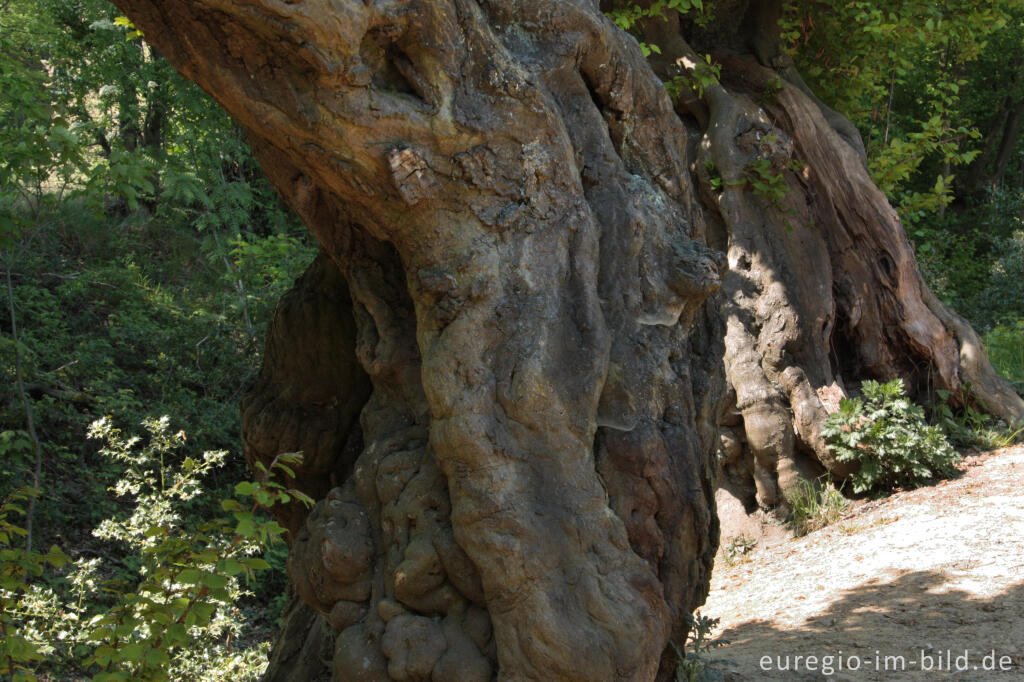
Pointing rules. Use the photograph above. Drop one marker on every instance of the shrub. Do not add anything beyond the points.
(168, 610)
(1002, 301)
(887, 435)
(18, 650)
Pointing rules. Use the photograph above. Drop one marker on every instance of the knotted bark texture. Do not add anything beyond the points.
(504, 189)
(823, 290)
(520, 235)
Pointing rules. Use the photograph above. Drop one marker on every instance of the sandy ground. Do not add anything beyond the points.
(925, 585)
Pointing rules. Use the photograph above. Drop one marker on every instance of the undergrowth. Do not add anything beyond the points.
(168, 609)
(691, 665)
(739, 547)
(970, 427)
(813, 507)
(886, 434)
(1005, 346)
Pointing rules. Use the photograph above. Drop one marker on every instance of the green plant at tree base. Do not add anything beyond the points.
(970, 427)
(813, 507)
(692, 666)
(887, 435)
(169, 611)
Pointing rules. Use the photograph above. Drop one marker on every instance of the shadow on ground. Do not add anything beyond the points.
(911, 627)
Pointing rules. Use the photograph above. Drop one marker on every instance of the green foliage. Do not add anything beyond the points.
(166, 611)
(692, 666)
(715, 180)
(15, 452)
(894, 166)
(1005, 346)
(112, 333)
(974, 259)
(697, 77)
(147, 253)
(917, 78)
(629, 16)
(970, 427)
(814, 506)
(768, 184)
(740, 546)
(187, 578)
(887, 435)
(93, 113)
(18, 651)
(1002, 299)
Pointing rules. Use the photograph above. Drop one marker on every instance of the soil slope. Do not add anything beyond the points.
(926, 584)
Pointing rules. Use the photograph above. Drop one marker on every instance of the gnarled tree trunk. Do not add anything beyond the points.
(533, 268)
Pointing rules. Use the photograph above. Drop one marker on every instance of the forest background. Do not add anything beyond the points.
(142, 254)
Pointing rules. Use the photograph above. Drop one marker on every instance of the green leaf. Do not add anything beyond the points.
(246, 526)
(176, 635)
(256, 563)
(214, 581)
(231, 505)
(290, 458)
(230, 567)
(245, 488)
(103, 654)
(157, 658)
(130, 652)
(190, 576)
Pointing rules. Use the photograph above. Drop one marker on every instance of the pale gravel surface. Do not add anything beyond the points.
(928, 572)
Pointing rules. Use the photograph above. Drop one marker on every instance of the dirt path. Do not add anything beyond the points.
(930, 578)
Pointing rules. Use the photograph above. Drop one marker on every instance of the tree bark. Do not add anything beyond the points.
(534, 292)
(989, 168)
(1008, 144)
